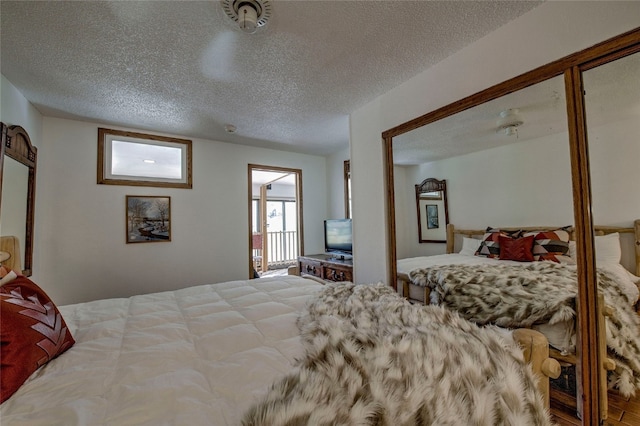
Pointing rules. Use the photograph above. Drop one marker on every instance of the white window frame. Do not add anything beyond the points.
(105, 155)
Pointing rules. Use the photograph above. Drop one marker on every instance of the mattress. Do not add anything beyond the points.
(199, 355)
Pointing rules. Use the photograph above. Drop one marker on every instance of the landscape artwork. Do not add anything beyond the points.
(432, 216)
(148, 219)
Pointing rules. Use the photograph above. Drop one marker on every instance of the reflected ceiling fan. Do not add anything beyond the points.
(509, 121)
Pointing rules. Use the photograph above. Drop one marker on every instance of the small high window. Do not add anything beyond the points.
(138, 159)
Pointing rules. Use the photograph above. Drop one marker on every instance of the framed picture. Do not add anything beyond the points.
(431, 203)
(148, 219)
(432, 216)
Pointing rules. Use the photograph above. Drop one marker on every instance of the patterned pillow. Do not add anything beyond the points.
(490, 245)
(548, 245)
(519, 249)
(32, 333)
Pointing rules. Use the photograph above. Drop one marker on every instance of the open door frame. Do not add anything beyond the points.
(263, 219)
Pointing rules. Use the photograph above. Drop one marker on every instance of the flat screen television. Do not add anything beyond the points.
(337, 236)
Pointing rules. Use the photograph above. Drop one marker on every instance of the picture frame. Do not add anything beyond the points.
(148, 218)
(432, 211)
(432, 216)
(142, 159)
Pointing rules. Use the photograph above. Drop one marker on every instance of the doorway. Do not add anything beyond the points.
(275, 219)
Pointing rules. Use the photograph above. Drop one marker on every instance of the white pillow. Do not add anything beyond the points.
(608, 255)
(607, 249)
(625, 279)
(470, 246)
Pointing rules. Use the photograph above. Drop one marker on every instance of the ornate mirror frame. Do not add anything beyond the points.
(16, 144)
(431, 206)
(571, 67)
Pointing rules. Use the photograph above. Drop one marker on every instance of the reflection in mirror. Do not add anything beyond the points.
(17, 201)
(612, 107)
(347, 189)
(498, 172)
(612, 104)
(433, 214)
(507, 165)
(15, 178)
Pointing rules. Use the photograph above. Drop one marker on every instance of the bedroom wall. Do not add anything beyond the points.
(538, 194)
(280, 191)
(548, 32)
(335, 183)
(79, 251)
(83, 255)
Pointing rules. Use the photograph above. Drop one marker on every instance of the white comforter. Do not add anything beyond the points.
(197, 356)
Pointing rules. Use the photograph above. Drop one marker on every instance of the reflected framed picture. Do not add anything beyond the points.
(432, 216)
(148, 219)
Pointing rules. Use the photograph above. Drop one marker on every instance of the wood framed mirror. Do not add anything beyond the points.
(18, 159)
(432, 210)
(575, 181)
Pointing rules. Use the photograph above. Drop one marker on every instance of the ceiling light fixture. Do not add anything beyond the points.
(229, 128)
(509, 122)
(249, 14)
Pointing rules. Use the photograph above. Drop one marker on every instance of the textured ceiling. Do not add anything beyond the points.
(182, 67)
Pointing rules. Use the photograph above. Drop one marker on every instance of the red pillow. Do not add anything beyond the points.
(519, 249)
(32, 333)
(490, 245)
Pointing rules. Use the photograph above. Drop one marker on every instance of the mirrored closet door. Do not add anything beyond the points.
(516, 155)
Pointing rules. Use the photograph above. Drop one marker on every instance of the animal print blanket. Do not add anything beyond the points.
(372, 358)
(520, 296)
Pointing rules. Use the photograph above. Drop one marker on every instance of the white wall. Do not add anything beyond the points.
(83, 254)
(335, 183)
(548, 32)
(277, 191)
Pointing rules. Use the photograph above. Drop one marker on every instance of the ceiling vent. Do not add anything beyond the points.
(248, 14)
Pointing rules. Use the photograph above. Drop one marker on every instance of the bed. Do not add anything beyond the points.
(528, 293)
(241, 352)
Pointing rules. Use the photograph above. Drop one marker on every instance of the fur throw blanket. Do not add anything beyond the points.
(372, 358)
(520, 296)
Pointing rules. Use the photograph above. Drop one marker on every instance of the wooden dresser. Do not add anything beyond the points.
(326, 266)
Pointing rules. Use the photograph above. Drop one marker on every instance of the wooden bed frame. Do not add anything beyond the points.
(11, 245)
(452, 232)
(603, 311)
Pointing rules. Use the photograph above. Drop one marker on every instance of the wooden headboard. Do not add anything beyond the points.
(452, 232)
(11, 245)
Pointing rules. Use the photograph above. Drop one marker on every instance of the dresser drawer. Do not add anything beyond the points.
(335, 273)
(310, 267)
